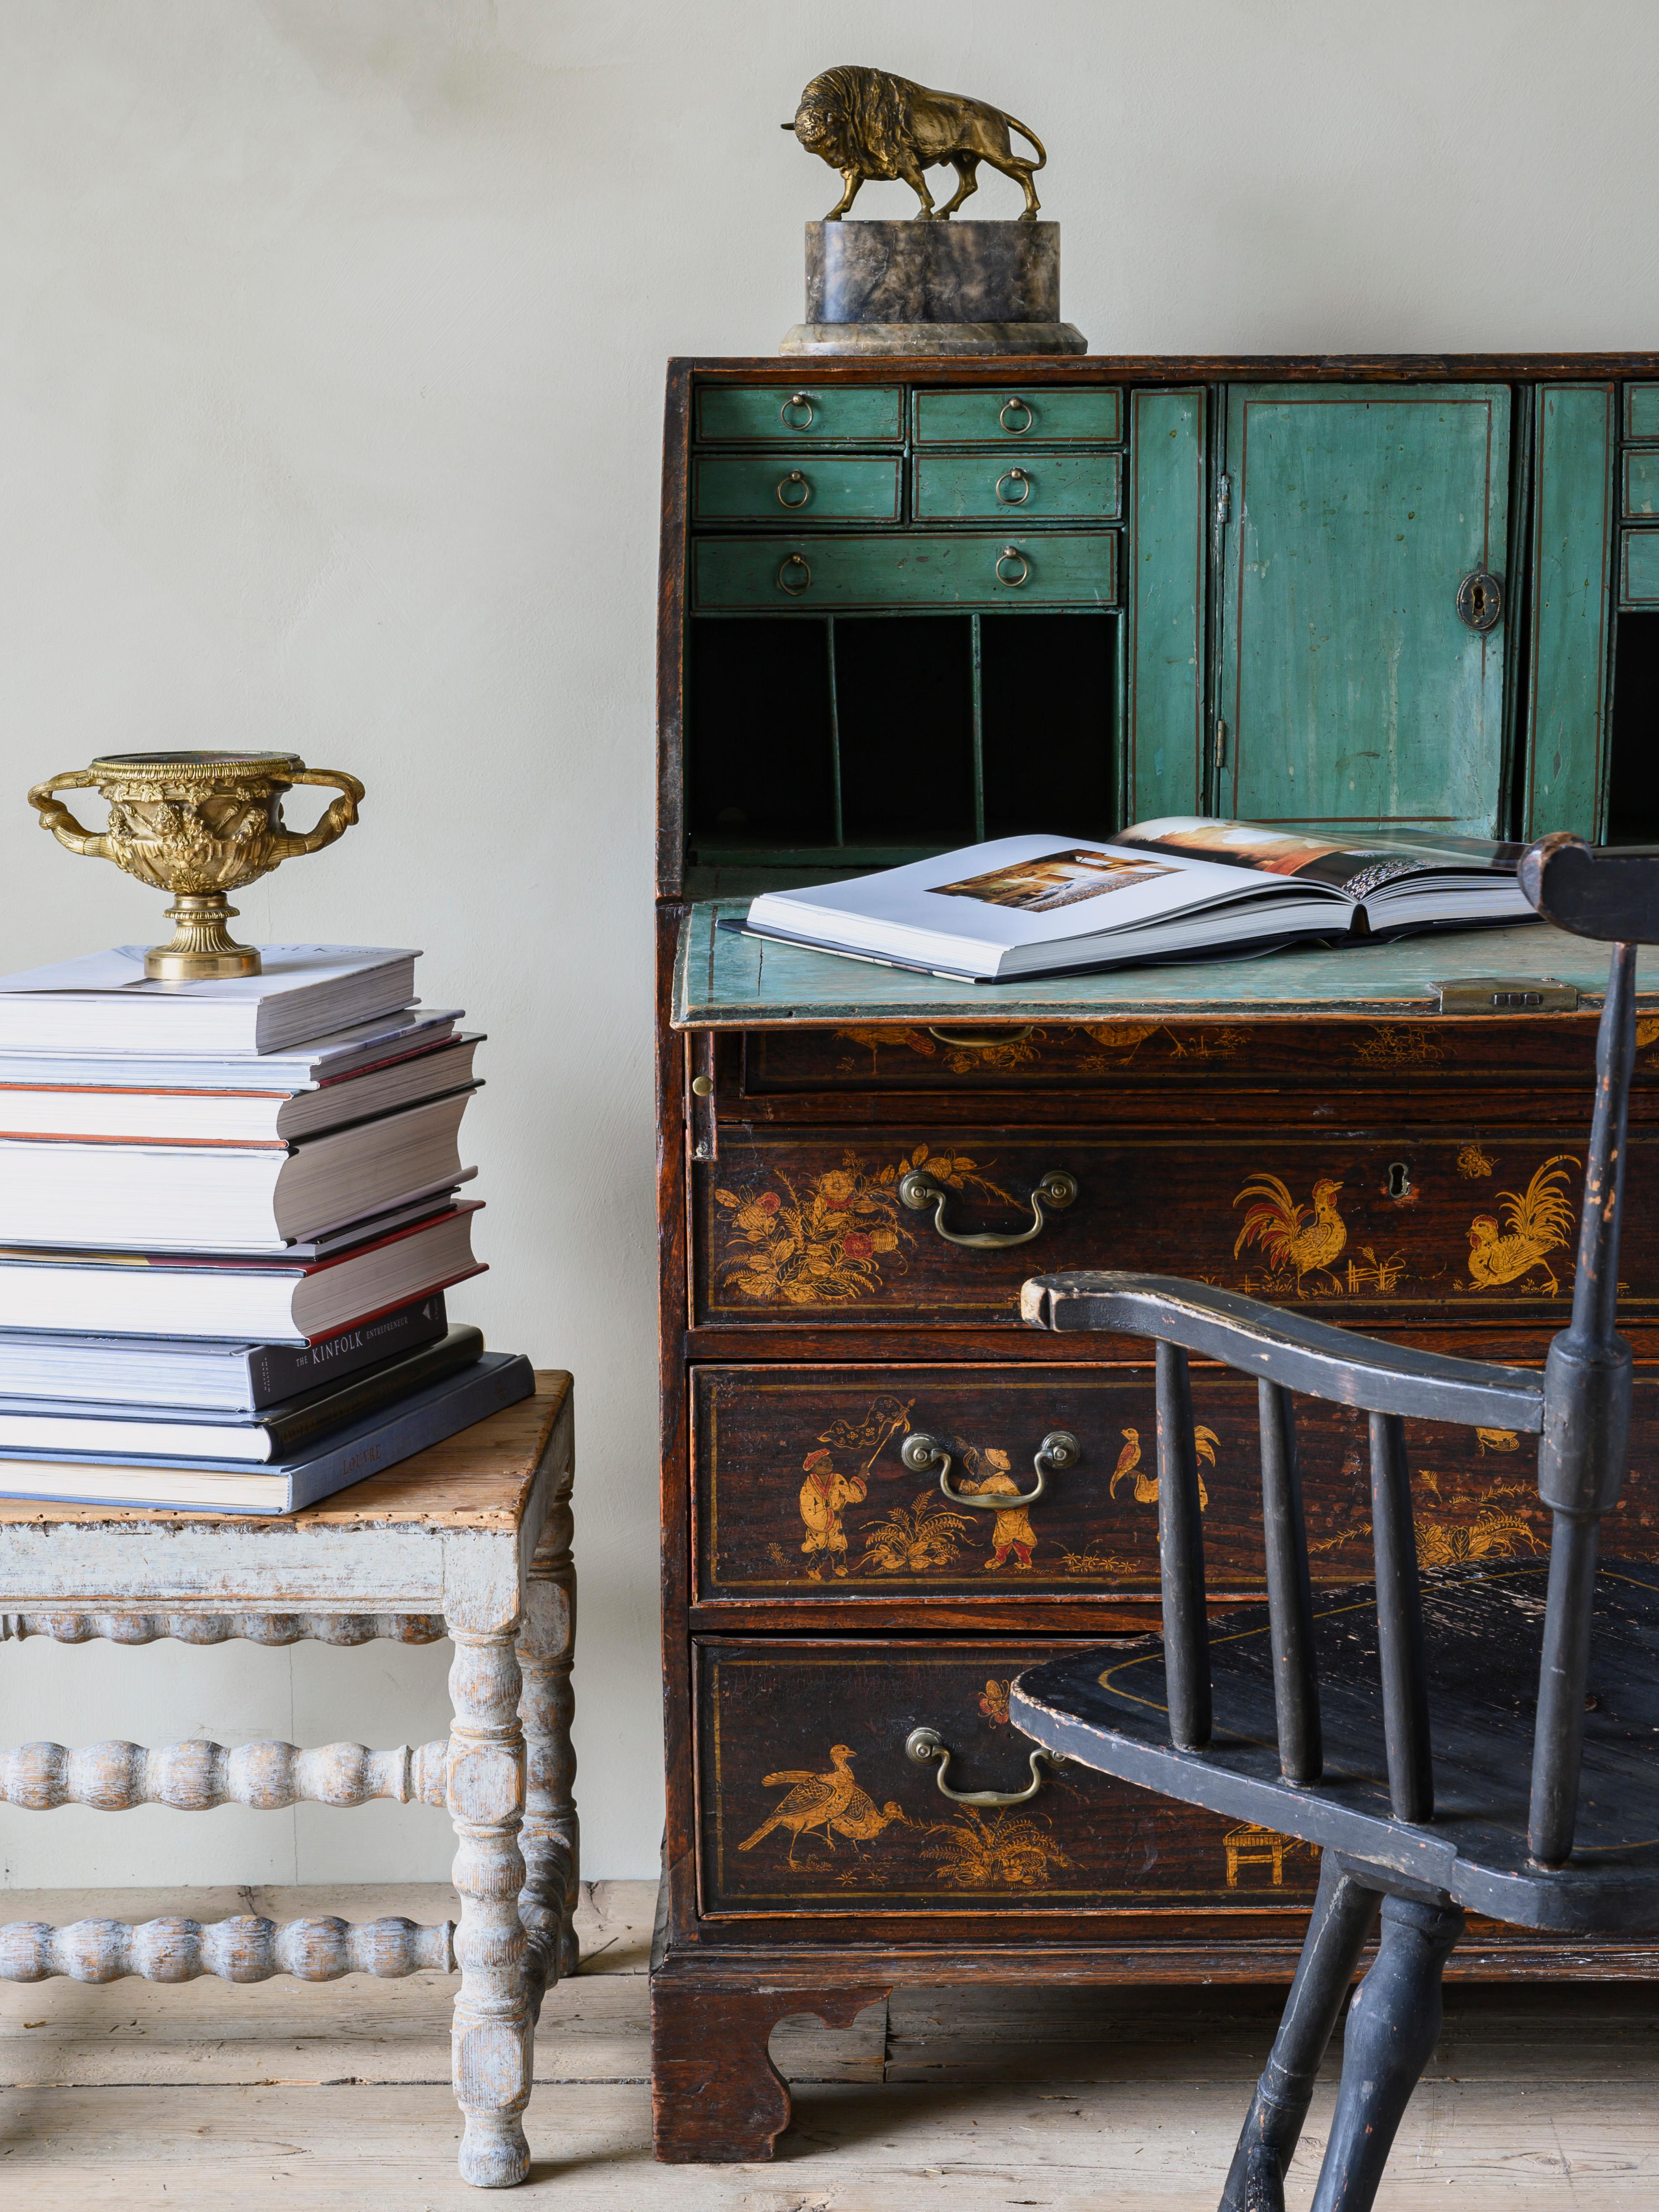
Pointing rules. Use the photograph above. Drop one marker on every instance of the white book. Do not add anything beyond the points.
(319, 1060)
(104, 1002)
(224, 1198)
(1177, 887)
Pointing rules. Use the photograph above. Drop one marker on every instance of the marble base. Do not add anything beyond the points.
(935, 337)
(933, 272)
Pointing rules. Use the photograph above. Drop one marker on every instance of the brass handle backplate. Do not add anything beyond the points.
(1016, 429)
(982, 1040)
(794, 561)
(928, 1748)
(794, 476)
(1016, 476)
(1012, 553)
(797, 399)
(1480, 601)
(1059, 1449)
(1057, 1190)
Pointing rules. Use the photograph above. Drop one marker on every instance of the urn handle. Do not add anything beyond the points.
(928, 1748)
(336, 821)
(1060, 1448)
(918, 1190)
(57, 818)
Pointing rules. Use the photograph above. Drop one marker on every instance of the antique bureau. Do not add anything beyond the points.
(908, 604)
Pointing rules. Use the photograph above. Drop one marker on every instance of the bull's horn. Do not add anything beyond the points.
(786, 126)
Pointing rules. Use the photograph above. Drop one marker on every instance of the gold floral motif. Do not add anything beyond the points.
(1100, 1563)
(1492, 1534)
(1016, 1050)
(1308, 1240)
(832, 1803)
(1536, 1221)
(912, 1539)
(1471, 1162)
(824, 1249)
(1393, 1044)
(1007, 1850)
(1129, 1468)
(994, 1703)
(1367, 1272)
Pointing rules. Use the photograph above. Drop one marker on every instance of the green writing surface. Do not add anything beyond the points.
(1351, 691)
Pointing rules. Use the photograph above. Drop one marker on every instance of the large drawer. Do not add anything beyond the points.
(1014, 414)
(802, 1494)
(793, 489)
(790, 414)
(805, 1796)
(958, 568)
(1025, 487)
(1454, 1224)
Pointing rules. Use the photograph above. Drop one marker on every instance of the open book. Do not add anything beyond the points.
(1182, 888)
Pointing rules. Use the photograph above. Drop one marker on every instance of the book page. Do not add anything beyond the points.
(1353, 865)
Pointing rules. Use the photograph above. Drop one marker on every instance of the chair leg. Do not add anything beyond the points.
(1393, 2023)
(1342, 1916)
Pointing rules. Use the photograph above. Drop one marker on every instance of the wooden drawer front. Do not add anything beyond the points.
(1438, 1057)
(795, 491)
(1642, 410)
(1027, 489)
(1638, 568)
(801, 1492)
(812, 1229)
(772, 414)
(957, 570)
(1017, 416)
(1642, 483)
(805, 1796)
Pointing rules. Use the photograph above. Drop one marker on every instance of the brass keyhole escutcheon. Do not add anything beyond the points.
(1480, 601)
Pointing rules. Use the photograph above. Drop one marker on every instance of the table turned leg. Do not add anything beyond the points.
(550, 1840)
(492, 2035)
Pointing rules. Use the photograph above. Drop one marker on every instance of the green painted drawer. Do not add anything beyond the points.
(1642, 483)
(1031, 487)
(789, 414)
(1043, 570)
(1642, 410)
(1006, 414)
(1638, 568)
(795, 489)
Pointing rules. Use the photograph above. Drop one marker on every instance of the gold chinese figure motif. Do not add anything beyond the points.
(868, 124)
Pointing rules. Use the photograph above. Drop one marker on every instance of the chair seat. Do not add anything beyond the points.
(1106, 1709)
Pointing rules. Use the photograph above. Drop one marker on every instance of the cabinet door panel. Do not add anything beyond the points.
(1572, 544)
(1351, 690)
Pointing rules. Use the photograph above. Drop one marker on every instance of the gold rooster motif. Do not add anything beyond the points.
(833, 1803)
(1536, 1221)
(1128, 1468)
(1308, 1239)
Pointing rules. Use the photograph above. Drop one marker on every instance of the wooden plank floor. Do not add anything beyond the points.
(284, 2095)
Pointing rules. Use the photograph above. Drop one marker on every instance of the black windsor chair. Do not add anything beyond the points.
(1388, 1724)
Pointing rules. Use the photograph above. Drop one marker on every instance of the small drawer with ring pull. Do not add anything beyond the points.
(913, 569)
(800, 414)
(795, 491)
(1038, 487)
(1020, 413)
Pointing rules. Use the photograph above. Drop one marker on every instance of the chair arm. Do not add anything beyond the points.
(1303, 1355)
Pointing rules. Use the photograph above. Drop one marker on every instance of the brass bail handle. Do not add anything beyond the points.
(1057, 1190)
(928, 1748)
(1059, 1449)
(57, 818)
(334, 821)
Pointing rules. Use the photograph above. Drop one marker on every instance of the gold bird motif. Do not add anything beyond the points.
(864, 1818)
(815, 1800)
(1129, 1467)
(1536, 1220)
(1308, 1239)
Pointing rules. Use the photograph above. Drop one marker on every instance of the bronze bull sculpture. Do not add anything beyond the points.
(868, 124)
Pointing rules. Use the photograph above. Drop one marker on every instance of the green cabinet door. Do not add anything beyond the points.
(1350, 688)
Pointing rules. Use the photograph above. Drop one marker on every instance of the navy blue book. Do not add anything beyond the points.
(197, 1486)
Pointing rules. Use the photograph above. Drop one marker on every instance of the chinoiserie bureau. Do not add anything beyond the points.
(470, 1539)
(909, 603)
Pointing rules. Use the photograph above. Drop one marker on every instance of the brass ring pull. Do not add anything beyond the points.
(794, 561)
(1012, 553)
(797, 399)
(1016, 429)
(982, 1040)
(1059, 1449)
(794, 476)
(1013, 476)
(928, 1748)
(918, 1190)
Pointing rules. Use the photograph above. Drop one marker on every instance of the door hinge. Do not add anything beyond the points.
(1507, 994)
(1221, 745)
(1223, 502)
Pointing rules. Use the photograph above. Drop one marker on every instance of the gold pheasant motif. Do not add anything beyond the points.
(1536, 1221)
(1308, 1239)
(1128, 1468)
(815, 1800)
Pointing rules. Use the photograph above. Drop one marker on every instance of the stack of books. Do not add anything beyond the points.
(229, 1211)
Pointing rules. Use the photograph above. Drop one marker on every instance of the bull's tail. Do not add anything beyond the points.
(1026, 132)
